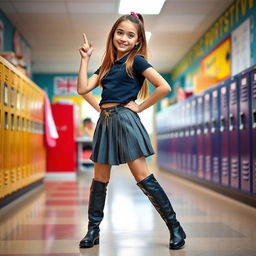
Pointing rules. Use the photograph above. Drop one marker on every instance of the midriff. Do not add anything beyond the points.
(110, 104)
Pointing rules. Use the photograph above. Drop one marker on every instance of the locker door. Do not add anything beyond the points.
(207, 136)
(182, 139)
(160, 142)
(187, 144)
(244, 128)
(174, 139)
(162, 139)
(233, 134)
(215, 138)
(193, 138)
(179, 138)
(1, 133)
(200, 137)
(224, 134)
(253, 141)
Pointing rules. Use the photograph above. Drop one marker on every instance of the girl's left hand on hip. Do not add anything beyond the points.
(132, 105)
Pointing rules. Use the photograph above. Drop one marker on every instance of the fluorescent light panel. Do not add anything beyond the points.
(140, 6)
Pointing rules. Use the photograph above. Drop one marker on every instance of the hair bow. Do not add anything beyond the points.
(135, 15)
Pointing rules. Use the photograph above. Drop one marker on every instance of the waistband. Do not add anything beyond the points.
(112, 109)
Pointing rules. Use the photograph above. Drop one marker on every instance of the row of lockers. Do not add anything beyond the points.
(22, 150)
(212, 136)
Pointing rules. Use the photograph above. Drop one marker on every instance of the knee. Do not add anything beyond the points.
(141, 176)
(101, 178)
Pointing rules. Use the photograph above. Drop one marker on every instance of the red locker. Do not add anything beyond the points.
(62, 157)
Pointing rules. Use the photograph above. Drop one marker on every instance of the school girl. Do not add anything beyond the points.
(120, 137)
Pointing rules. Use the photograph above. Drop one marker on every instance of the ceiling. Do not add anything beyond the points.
(54, 29)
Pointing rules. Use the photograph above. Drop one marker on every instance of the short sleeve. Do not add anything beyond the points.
(140, 64)
(97, 71)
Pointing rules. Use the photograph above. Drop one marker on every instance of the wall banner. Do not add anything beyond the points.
(65, 85)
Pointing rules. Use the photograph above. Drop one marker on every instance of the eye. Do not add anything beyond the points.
(119, 32)
(131, 35)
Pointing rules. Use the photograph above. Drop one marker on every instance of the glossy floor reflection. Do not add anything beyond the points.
(52, 219)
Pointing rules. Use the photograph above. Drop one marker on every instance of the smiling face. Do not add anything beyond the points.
(125, 37)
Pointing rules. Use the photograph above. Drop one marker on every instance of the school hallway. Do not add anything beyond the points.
(52, 219)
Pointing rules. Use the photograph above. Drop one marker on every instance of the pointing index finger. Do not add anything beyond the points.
(85, 38)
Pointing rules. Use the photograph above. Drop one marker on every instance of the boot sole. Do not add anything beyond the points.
(96, 242)
(177, 247)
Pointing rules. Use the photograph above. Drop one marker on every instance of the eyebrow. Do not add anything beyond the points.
(131, 32)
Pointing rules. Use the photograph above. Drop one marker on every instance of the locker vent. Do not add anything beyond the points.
(233, 97)
(224, 166)
(200, 162)
(224, 101)
(245, 170)
(194, 162)
(234, 168)
(254, 90)
(215, 103)
(208, 164)
(215, 165)
(244, 93)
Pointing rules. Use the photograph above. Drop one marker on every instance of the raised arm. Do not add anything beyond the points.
(85, 85)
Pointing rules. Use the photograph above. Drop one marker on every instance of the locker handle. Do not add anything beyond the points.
(222, 123)
(213, 128)
(231, 122)
(242, 121)
(254, 118)
(206, 127)
(198, 129)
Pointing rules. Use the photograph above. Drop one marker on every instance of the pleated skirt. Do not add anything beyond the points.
(119, 137)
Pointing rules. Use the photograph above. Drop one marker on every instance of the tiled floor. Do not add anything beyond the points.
(53, 218)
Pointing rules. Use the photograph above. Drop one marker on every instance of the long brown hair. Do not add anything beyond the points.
(140, 49)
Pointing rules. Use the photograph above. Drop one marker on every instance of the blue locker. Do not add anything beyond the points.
(174, 139)
(207, 136)
(179, 137)
(163, 131)
(244, 130)
(253, 126)
(215, 135)
(200, 137)
(233, 133)
(224, 133)
(188, 143)
(193, 135)
(182, 140)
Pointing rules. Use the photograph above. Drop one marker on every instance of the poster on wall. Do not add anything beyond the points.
(65, 85)
(241, 47)
(1, 36)
(217, 62)
(22, 49)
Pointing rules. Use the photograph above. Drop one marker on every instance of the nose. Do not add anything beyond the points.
(123, 38)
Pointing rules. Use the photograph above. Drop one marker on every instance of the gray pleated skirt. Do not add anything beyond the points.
(119, 137)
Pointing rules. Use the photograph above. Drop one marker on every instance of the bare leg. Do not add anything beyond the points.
(102, 172)
(139, 169)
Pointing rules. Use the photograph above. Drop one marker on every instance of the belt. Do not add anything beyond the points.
(106, 115)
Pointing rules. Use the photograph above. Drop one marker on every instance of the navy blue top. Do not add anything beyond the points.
(118, 86)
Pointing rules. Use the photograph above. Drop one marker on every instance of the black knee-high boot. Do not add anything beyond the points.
(159, 199)
(95, 213)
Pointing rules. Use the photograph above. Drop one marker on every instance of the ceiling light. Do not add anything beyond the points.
(141, 6)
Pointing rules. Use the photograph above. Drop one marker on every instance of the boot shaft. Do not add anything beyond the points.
(96, 203)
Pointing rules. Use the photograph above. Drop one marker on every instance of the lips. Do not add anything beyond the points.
(122, 45)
